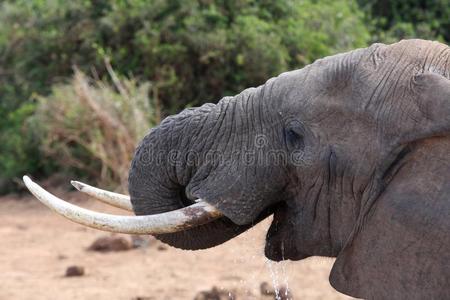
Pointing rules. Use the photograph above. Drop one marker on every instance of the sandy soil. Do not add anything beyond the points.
(37, 246)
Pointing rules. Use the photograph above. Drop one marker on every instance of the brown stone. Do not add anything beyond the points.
(283, 292)
(266, 289)
(162, 247)
(111, 244)
(74, 271)
(215, 294)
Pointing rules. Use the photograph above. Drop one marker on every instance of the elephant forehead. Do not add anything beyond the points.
(419, 52)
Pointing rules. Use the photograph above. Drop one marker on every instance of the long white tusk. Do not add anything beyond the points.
(169, 222)
(114, 199)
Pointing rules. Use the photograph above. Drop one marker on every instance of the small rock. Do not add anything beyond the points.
(111, 244)
(161, 247)
(22, 227)
(62, 256)
(215, 294)
(266, 289)
(73, 271)
(283, 292)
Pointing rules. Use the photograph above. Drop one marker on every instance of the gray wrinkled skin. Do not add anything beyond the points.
(364, 174)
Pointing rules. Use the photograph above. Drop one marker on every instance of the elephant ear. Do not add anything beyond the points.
(401, 250)
(431, 96)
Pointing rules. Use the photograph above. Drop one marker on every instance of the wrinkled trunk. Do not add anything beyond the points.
(165, 162)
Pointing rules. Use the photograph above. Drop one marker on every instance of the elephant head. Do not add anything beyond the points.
(350, 154)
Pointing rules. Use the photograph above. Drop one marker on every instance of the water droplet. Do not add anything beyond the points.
(278, 273)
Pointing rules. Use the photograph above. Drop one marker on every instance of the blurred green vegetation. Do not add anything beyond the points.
(190, 51)
(391, 20)
(91, 126)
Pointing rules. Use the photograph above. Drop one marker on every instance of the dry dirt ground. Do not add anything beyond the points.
(36, 247)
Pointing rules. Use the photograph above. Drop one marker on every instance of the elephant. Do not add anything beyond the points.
(350, 155)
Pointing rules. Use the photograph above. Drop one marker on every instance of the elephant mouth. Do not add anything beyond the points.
(280, 242)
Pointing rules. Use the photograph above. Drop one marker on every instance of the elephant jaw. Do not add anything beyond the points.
(280, 244)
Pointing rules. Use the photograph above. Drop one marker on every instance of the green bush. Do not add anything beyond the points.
(18, 147)
(92, 127)
(399, 19)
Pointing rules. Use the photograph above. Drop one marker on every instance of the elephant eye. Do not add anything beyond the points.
(294, 135)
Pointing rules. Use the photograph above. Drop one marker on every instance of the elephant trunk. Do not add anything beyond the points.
(163, 165)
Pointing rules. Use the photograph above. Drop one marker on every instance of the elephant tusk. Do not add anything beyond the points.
(114, 199)
(174, 221)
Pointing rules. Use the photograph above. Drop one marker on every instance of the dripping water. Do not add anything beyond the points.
(274, 276)
(284, 274)
(277, 271)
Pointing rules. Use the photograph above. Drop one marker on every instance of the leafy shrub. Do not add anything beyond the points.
(93, 127)
(399, 19)
(18, 147)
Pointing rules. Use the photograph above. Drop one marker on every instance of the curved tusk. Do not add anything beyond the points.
(114, 199)
(169, 222)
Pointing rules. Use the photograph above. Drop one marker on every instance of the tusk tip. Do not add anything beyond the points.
(27, 180)
(78, 185)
